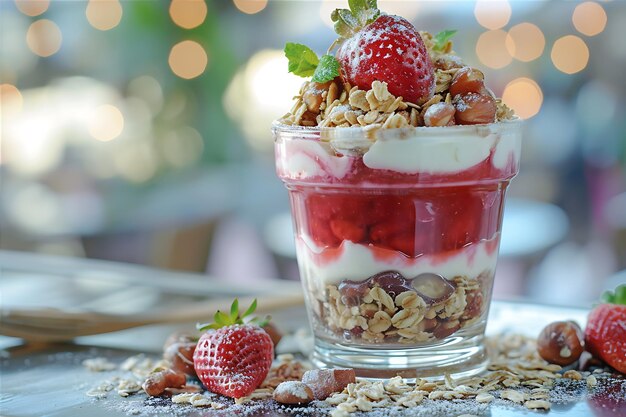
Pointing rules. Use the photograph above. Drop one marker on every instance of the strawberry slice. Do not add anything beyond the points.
(386, 48)
(605, 334)
(233, 358)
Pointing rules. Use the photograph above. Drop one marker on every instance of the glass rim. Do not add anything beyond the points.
(369, 134)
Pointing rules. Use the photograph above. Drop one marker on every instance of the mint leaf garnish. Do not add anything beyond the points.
(615, 297)
(442, 38)
(327, 69)
(302, 60)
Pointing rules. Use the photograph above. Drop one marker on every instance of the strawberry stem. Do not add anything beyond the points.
(361, 13)
(221, 319)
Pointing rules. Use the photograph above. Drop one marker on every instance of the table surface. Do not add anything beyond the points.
(49, 380)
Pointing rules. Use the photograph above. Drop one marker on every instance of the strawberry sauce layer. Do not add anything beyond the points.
(414, 222)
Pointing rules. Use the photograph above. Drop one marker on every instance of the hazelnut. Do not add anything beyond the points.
(325, 382)
(293, 392)
(467, 80)
(439, 114)
(474, 108)
(561, 343)
(178, 351)
(274, 333)
(312, 97)
(158, 382)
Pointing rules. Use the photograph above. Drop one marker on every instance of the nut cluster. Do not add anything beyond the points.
(405, 318)
(460, 97)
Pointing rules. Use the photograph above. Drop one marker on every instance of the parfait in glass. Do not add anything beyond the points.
(397, 168)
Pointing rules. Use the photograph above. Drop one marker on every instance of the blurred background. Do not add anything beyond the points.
(138, 131)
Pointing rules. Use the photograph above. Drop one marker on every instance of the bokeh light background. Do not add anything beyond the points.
(139, 130)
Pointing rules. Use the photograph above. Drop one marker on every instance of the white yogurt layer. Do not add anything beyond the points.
(432, 155)
(357, 262)
(428, 150)
(309, 159)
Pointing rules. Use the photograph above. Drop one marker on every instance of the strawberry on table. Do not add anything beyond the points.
(605, 334)
(233, 358)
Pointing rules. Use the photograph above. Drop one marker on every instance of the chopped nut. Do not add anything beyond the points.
(158, 382)
(511, 395)
(591, 381)
(484, 398)
(324, 382)
(293, 392)
(572, 374)
(537, 405)
(99, 364)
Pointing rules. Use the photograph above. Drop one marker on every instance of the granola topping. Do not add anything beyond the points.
(336, 103)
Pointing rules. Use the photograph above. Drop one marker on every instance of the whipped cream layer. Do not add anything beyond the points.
(358, 262)
(424, 150)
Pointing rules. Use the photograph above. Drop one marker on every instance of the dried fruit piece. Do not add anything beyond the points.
(560, 342)
(446, 328)
(474, 108)
(352, 292)
(392, 282)
(433, 288)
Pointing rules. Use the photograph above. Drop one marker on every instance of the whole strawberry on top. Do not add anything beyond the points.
(378, 47)
(605, 334)
(233, 358)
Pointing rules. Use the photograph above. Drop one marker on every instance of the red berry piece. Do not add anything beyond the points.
(392, 51)
(347, 230)
(605, 334)
(321, 233)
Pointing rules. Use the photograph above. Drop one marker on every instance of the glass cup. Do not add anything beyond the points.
(397, 234)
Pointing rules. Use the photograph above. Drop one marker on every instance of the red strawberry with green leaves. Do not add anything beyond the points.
(373, 47)
(233, 358)
(605, 334)
(383, 47)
